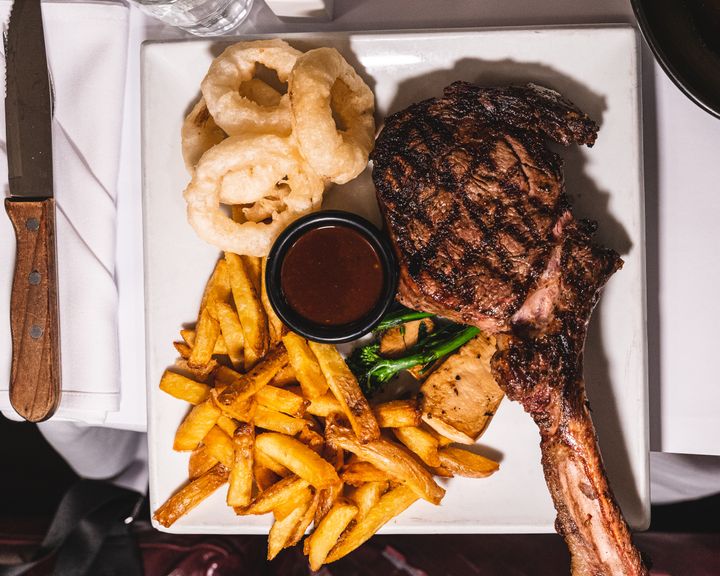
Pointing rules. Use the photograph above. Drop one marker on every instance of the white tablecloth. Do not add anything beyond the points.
(682, 202)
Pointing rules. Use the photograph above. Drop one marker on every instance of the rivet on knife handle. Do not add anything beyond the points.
(35, 377)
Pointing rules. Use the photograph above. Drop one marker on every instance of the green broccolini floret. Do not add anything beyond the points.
(373, 371)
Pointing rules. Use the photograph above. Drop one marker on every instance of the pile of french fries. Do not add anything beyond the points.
(283, 423)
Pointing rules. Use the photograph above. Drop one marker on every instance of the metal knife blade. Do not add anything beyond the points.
(28, 104)
(35, 375)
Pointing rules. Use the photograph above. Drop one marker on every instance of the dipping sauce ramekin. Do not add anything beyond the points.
(331, 276)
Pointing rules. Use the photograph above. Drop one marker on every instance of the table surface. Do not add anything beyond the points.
(682, 177)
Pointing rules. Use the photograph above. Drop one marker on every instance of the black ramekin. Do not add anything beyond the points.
(301, 325)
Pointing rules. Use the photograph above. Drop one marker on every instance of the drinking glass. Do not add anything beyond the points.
(199, 17)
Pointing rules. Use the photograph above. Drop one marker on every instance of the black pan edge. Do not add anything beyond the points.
(666, 63)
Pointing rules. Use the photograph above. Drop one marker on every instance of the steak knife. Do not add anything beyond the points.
(35, 374)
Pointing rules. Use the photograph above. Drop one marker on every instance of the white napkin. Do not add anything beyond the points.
(86, 45)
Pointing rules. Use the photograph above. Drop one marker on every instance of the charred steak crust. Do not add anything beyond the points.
(474, 256)
(475, 206)
(542, 357)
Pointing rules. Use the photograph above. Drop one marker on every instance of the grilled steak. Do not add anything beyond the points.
(475, 205)
(475, 196)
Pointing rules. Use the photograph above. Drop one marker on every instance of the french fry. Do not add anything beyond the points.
(359, 473)
(220, 446)
(390, 505)
(191, 495)
(306, 367)
(225, 376)
(228, 425)
(281, 400)
(245, 410)
(195, 426)
(277, 421)
(275, 326)
(265, 460)
(198, 374)
(297, 458)
(344, 386)
(324, 405)
(241, 476)
(305, 521)
(397, 414)
(286, 507)
(207, 332)
(282, 530)
(244, 386)
(284, 377)
(442, 472)
(200, 462)
(336, 456)
(367, 495)
(312, 439)
(327, 497)
(317, 546)
(264, 478)
(232, 332)
(249, 309)
(217, 289)
(389, 457)
(465, 463)
(253, 265)
(422, 443)
(183, 349)
(189, 337)
(242, 410)
(282, 491)
(184, 388)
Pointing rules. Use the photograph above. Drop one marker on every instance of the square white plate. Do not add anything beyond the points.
(597, 68)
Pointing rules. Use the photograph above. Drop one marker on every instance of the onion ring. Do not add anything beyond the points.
(260, 92)
(296, 191)
(222, 87)
(199, 133)
(322, 80)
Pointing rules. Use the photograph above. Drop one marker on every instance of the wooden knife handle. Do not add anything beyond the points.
(35, 376)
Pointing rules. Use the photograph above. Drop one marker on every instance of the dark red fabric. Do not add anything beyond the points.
(431, 555)
(517, 555)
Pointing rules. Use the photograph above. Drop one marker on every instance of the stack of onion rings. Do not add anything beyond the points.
(270, 155)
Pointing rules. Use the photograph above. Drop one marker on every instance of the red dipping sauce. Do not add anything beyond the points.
(332, 276)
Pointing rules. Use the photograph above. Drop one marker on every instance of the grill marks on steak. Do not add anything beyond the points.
(474, 256)
(475, 205)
